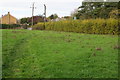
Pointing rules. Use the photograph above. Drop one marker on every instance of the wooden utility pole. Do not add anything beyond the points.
(44, 14)
(33, 12)
(45, 10)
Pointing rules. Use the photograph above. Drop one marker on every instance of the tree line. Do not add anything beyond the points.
(36, 19)
(88, 10)
(93, 10)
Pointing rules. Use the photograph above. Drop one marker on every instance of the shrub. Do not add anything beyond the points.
(39, 26)
(90, 26)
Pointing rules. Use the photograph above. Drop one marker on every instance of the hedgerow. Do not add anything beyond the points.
(90, 26)
(9, 26)
(39, 26)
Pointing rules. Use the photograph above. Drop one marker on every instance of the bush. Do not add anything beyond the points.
(39, 26)
(90, 26)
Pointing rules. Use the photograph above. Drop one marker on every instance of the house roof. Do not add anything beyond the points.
(8, 14)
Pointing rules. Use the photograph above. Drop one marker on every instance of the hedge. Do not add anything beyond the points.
(91, 26)
(9, 26)
(39, 26)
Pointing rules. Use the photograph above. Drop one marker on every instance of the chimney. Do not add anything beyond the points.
(8, 12)
(8, 17)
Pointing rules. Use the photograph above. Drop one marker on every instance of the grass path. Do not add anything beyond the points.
(48, 54)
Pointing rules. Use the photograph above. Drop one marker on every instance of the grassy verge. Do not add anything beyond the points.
(49, 54)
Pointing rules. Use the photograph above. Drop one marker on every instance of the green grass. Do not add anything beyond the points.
(50, 54)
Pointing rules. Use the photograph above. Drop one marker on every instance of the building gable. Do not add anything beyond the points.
(8, 19)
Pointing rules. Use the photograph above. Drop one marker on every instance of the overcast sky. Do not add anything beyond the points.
(21, 8)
